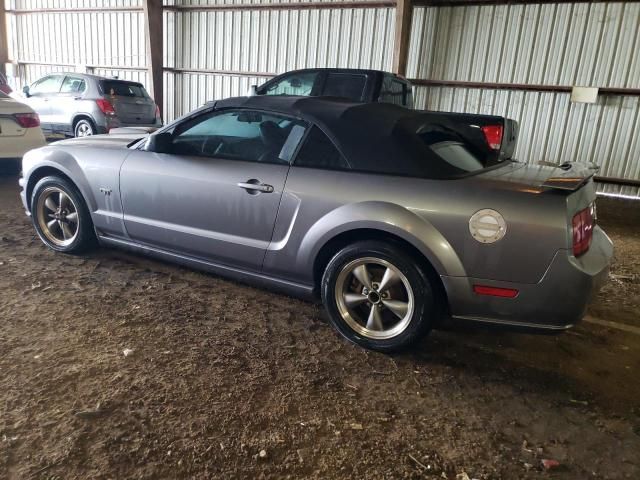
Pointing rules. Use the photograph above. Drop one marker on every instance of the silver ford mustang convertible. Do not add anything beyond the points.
(383, 212)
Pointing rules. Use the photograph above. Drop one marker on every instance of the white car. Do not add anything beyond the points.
(19, 129)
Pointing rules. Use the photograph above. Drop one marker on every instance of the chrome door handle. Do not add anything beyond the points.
(256, 187)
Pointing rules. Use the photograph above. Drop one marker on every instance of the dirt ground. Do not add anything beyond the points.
(221, 372)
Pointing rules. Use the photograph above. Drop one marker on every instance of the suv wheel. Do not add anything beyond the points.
(377, 297)
(84, 128)
(60, 216)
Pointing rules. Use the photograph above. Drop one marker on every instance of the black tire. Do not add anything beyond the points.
(84, 238)
(84, 125)
(416, 322)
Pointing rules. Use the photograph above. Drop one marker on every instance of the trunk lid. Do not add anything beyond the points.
(130, 101)
(567, 177)
(9, 127)
(572, 186)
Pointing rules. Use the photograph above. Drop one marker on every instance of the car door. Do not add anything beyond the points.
(64, 104)
(215, 196)
(40, 94)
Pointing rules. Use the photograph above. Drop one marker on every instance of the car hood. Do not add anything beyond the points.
(103, 141)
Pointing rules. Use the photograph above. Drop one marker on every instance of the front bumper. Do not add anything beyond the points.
(23, 195)
(556, 302)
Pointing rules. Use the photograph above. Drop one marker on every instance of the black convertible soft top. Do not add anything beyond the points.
(374, 137)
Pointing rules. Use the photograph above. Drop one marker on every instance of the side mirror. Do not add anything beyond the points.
(160, 143)
(253, 91)
(25, 90)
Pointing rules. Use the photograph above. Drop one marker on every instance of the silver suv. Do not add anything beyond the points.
(81, 105)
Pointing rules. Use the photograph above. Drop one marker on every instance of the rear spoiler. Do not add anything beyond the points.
(570, 176)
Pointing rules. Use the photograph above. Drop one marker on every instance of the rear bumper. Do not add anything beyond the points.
(556, 302)
(116, 123)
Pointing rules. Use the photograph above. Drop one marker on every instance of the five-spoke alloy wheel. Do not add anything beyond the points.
(57, 216)
(377, 296)
(374, 298)
(60, 215)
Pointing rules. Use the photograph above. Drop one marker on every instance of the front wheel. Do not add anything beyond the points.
(60, 216)
(377, 296)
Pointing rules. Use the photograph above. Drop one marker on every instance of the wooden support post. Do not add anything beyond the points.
(404, 11)
(154, 36)
(4, 38)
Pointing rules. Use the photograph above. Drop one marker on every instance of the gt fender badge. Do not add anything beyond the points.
(487, 226)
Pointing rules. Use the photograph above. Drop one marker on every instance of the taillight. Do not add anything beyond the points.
(582, 226)
(105, 107)
(27, 120)
(493, 135)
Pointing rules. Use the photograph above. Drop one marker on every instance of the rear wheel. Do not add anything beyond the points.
(84, 128)
(377, 296)
(60, 216)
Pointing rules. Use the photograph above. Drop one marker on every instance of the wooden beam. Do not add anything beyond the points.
(531, 87)
(462, 3)
(155, 45)
(303, 5)
(628, 182)
(404, 10)
(25, 11)
(4, 38)
(209, 71)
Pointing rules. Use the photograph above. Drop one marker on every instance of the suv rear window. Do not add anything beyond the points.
(123, 89)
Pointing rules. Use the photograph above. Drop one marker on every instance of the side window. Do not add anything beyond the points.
(73, 85)
(46, 85)
(247, 135)
(345, 85)
(297, 84)
(393, 91)
(318, 151)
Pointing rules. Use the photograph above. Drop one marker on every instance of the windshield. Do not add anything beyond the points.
(123, 89)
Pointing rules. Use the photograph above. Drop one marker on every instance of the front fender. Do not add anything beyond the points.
(63, 161)
(384, 217)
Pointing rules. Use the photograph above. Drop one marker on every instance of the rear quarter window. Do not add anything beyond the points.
(393, 91)
(318, 151)
(347, 85)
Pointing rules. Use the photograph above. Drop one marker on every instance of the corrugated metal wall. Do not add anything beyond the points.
(266, 42)
(559, 44)
(46, 42)
(218, 53)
